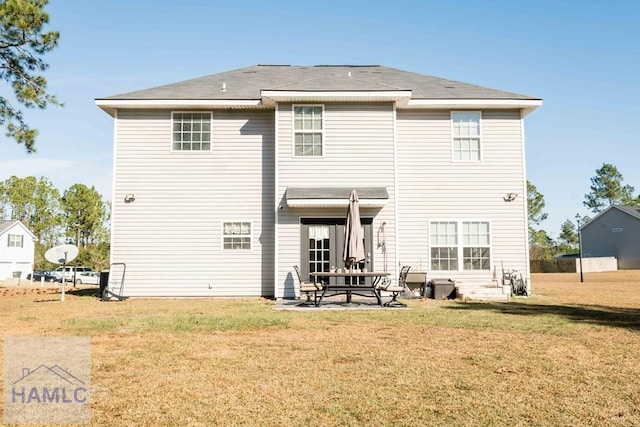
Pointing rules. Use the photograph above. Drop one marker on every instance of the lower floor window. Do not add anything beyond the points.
(236, 235)
(444, 258)
(476, 259)
(455, 241)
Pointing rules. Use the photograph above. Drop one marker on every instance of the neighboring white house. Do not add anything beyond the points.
(223, 183)
(614, 232)
(17, 249)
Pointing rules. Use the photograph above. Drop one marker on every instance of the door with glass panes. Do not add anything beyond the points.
(322, 244)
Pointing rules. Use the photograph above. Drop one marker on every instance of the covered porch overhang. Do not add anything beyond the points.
(335, 197)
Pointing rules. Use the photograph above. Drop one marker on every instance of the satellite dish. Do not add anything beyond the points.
(61, 254)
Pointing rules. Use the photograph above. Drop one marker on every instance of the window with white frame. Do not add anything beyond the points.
(307, 130)
(444, 245)
(191, 131)
(475, 245)
(15, 240)
(452, 241)
(466, 136)
(236, 235)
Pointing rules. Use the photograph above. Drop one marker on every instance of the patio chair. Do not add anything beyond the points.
(396, 289)
(308, 287)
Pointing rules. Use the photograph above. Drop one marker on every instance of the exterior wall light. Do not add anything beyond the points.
(510, 197)
(128, 198)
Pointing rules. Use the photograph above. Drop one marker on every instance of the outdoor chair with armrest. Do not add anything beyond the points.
(388, 286)
(308, 287)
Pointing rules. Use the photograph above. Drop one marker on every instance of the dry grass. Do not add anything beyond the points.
(566, 356)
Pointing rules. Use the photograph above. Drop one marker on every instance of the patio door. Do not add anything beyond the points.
(322, 243)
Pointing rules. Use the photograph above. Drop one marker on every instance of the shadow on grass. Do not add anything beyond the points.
(85, 292)
(617, 317)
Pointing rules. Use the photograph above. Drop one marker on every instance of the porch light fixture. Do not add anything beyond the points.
(510, 197)
(128, 198)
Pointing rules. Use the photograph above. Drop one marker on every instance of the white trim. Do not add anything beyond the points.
(453, 137)
(114, 202)
(293, 131)
(171, 141)
(278, 292)
(171, 103)
(18, 223)
(271, 97)
(527, 267)
(236, 251)
(396, 210)
(334, 203)
(477, 103)
(132, 103)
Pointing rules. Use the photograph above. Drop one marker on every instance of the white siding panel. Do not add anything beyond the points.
(170, 237)
(358, 152)
(433, 187)
(14, 259)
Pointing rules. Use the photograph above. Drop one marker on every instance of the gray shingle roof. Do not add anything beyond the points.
(336, 192)
(634, 211)
(631, 210)
(246, 84)
(5, 224)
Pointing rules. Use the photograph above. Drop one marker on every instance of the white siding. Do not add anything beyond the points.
(170, 237)
(15, 258)
(433, 187)
(358, 152)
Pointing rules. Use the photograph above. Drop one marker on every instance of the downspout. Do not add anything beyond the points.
(396, 208)
(527, 274)
(113, 185)
(277, 293)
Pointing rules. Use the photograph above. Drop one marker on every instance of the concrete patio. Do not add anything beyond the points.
(334, 303)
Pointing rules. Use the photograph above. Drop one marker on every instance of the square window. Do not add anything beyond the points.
(15, 240)
(236, 235)
(189, 127)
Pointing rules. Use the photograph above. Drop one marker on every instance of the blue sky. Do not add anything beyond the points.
(581, 57)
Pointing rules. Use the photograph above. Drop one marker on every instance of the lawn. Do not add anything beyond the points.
(567, 356)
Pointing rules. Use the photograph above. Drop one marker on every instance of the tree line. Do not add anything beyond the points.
(78, 216)
(606, 189)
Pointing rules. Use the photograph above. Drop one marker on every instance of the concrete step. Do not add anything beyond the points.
(481, 292)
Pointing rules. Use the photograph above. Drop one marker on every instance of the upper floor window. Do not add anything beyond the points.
(307, 130)
(236, 235)
(191, 131)
(456, 241)
(15, 240)
(466, 136)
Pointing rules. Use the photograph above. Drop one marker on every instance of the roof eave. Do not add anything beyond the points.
(526, 105)
(272, 97)
(111, 105)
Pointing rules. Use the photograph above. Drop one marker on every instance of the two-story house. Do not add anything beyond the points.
(17, 249)
(224, 182)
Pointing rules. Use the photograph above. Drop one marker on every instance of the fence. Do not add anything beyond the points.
(572, 265)
(557, 265)
(591, 265)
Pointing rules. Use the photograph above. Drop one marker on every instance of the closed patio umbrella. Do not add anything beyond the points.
(353, 237)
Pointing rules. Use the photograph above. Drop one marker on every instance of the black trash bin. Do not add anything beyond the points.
(104, 281)
(443, 288)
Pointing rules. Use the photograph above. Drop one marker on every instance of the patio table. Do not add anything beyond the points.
(350, 289)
